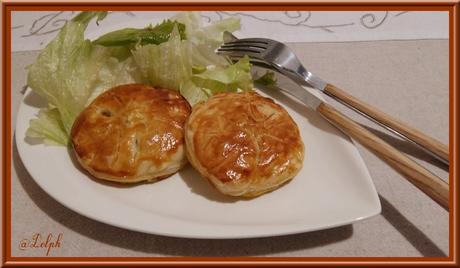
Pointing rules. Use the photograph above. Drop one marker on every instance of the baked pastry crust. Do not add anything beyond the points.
(243, 143)
(132, 133)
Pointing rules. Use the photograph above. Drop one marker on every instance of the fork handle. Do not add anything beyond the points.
(430, 145)
(423, 179)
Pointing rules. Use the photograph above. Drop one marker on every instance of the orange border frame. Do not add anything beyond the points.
(452, 259)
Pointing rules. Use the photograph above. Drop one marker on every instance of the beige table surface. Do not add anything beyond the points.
(407, 79)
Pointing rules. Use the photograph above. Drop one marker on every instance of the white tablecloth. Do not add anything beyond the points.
(33, 30)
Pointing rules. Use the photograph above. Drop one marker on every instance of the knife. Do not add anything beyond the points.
(280, 58)
(430, 184)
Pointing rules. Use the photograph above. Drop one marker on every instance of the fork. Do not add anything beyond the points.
(278, 56)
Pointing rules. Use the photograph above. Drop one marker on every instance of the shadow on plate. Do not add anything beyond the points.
(33, 141)
(34, 100)
(200, 186)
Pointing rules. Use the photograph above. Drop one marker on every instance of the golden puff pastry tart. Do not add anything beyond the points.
(243, 143)
(132, 133)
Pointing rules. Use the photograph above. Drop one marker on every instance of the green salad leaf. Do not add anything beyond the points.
(193, 93)
(48, 127)
(168, 64)
(148, 35)
(268, 79)
(204, 83)
(206, 39)
(66, 73)
(86, 17)
(113, 73)
(171, 65)
(66, 70)
(236, 76)
(211, 35)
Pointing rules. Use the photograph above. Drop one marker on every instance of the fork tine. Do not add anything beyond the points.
(238, 52)
(231, 53)
(241, 49)
(262, 41)
(244, 45)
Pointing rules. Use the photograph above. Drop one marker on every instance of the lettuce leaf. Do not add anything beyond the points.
(210, 35)
(114, 72)
(194, 94)
(48, 127)
(268, 79)
(205, 39)
(192, 66)
(148, 35)
(232, 78)
(205, 83)
(166, 65)
(69, 72)
(171, 65)
(66, 70)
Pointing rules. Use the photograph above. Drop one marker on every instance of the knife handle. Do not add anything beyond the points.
(423, 179)
(428, 144)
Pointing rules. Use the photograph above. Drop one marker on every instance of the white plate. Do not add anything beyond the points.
(334, 188)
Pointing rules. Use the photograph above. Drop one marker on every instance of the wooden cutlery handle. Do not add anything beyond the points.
(426, 181)
(418, 137)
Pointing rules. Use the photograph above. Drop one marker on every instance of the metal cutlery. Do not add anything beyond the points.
(278, 56)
